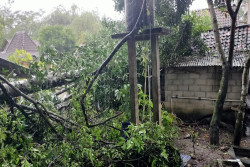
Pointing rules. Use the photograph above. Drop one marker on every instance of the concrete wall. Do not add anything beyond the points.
(198, 82)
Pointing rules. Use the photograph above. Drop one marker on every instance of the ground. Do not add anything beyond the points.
(204, 154)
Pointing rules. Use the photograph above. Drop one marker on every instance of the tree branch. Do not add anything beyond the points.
(107, 120)
(233, 15)
(52, 80)
(11, 103)
(230, 9)
(216, 33)
(20, 93)
(55, 116)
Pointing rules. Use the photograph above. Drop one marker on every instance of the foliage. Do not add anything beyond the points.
(27, 21)
(81, 23)
(2, 34)
(185, 41)
(169, 13)
(28, 140)
(59, 16)
(116, 73)
(12, 22)
(58, 37)
(119, 5)
(152, 144)
(17, 147)
(123, 95)
(86, 23)
(21, 57)
(146, 144)
(82, 146)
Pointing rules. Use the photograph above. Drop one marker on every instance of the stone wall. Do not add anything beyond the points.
(196, 90)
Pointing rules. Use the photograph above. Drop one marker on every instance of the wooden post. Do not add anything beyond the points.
(156, 79)
(133, 81)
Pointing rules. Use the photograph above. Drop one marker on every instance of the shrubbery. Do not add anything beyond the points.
(146, 145)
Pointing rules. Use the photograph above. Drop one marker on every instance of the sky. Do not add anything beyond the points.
(102, 7)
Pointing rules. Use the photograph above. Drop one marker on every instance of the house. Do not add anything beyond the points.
(191, 86)
(20, 41)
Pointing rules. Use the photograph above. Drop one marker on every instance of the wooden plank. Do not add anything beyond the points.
(133, 81)
(156, 79)
(145, 34)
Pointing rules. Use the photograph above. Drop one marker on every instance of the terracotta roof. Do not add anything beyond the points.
(20, 41)
(242, 38)
(223, 18)
(242, 44)
(212, 60)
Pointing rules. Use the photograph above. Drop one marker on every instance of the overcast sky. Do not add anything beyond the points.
(102, 7)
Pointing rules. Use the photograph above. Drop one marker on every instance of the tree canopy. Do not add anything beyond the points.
(185, 26)
(12, 22)
(58, 37)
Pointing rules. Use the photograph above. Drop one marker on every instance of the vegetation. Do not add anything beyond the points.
(62, 39)
(21, 57)
(44, 130)
(74, 21)
(186, 28)
(147, 144)
(11, 22)
(81, 123)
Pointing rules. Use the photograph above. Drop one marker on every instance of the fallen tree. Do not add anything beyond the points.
(50, 81)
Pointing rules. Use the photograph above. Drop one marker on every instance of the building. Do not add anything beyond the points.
(20, 41)
(191, 86)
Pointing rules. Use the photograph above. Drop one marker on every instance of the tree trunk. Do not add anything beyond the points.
(51, 81)
(221, 96)
(241, 111)
(214, 124)
(226, 66)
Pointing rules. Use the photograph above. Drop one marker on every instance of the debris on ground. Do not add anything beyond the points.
(202, 154)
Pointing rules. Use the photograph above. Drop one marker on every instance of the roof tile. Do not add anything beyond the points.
(242, 44)
(20, 41)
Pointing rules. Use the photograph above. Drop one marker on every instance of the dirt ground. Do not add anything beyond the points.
(204, 154)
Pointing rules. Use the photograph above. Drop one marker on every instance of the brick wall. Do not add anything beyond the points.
(198, 82)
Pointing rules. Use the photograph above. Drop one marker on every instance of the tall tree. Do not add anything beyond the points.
(62, 39)
(60, 16)
(226, 66)
(6, 22)
(11, 22)
(28, 21)
(85, 24)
